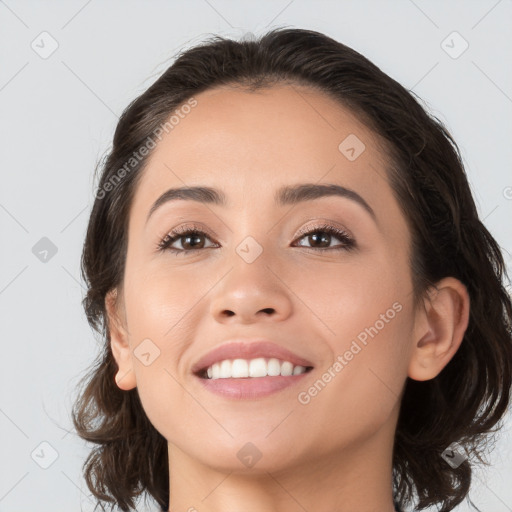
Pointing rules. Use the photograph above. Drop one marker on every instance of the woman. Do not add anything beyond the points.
(300, 307)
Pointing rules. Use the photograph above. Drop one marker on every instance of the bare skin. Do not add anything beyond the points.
(334, 452)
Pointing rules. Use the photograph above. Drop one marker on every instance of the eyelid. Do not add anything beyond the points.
(182, 230)
(323, 223)
(314, 224)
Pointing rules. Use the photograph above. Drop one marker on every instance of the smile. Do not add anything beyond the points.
(252, 368)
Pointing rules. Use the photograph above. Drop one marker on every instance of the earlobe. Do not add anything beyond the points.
(439, 329)
(119, 343)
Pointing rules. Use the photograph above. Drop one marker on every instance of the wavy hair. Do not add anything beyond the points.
(462, 404)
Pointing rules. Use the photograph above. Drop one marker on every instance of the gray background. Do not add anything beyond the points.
(58, 114)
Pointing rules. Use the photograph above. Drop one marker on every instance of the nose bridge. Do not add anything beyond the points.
(255, 260)
(252, 285)
(252, 236)
(255, 236)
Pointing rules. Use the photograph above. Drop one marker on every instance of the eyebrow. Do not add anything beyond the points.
(287, 195)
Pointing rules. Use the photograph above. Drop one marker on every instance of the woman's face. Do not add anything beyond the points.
(342, 304)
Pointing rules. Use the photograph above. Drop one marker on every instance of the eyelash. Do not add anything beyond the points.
(348, 242)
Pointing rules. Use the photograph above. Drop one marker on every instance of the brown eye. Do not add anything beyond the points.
(319, 238)
(324, 235)
(191, 240)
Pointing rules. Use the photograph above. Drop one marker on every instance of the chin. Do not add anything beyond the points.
(246, 455)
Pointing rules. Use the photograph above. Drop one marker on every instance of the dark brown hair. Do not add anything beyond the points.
(462, 404)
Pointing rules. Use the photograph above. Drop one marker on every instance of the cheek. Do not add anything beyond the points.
(157, 314)
(372, 331)
(358, 390)
(159, 298)
(349, 295)
(368, 312)
(157, 307)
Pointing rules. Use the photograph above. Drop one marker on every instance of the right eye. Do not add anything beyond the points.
(187, 235)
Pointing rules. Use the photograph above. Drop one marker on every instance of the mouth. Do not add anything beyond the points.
(250, 369)
(256, 368)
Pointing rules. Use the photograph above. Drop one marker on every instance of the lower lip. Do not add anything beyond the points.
(250, 387)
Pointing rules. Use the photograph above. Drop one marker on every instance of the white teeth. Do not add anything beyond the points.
(225, 368)
(239, 369)
(274, 367)
(287, 368)
(259, 367)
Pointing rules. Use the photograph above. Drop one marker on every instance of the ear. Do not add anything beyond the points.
(439, 328)
(119, 342)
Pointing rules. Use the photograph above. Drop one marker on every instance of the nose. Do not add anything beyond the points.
(252, 292)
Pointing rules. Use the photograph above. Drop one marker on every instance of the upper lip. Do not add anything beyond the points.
(238, 349)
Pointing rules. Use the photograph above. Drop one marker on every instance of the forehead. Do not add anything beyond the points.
(251, 143)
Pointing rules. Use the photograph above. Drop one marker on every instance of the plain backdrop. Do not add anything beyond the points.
(67, 71)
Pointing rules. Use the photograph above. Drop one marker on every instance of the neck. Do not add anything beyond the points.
(355, 477)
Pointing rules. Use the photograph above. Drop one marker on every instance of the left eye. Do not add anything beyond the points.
(327, 233)
(321, 234)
